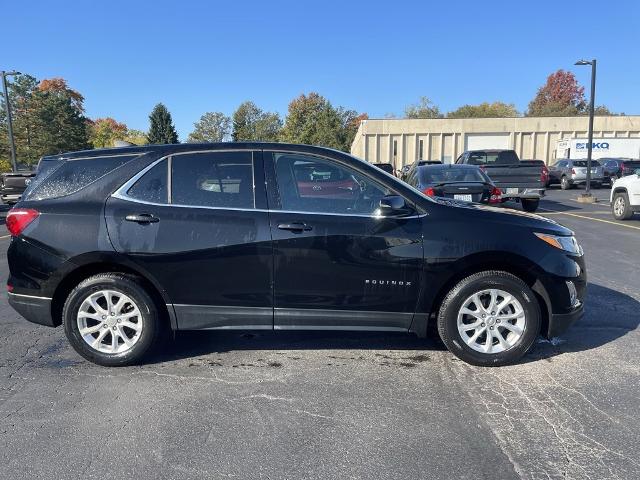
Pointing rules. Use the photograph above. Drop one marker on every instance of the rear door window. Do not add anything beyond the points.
(213, 179)
(73, 175)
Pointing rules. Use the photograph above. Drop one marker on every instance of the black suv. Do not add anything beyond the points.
(119, 244)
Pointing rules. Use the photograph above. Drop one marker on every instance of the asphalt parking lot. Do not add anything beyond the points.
(340, 405)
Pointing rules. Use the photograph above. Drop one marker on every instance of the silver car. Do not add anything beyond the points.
(569, 172)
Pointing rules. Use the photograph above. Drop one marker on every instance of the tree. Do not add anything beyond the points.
(561, 95)
(425, 108)
(485, 110)
(59, 85)
(21, 92)
(602, 110)
(48, 118)
(161, 129)
(137, 137)
(250, 123)
(312, 120)
(212, 127)
(103, 132)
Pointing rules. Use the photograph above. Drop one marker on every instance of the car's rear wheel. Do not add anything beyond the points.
(620, 207)
(490, 318)
(530, 205)
(111, 320)
(565, 184)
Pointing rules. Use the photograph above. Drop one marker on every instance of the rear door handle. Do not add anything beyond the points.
(295, 227)
(142, 218)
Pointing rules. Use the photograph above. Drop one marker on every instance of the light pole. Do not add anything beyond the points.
(591, 112)
(12, 143)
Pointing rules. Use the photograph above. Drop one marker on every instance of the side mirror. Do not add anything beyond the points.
(392, 205)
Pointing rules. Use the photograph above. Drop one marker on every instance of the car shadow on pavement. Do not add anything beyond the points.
(189, 344)
(609, 315)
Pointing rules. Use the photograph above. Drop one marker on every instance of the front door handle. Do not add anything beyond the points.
(295, 227)
(142, 218)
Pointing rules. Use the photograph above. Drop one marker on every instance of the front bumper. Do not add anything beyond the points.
(34, 309)
(560, 322)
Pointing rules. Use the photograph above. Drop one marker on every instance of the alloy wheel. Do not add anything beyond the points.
(491, 321)
(109, 321)
(619, 206)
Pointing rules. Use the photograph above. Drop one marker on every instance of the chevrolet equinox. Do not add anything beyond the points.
(119, 244)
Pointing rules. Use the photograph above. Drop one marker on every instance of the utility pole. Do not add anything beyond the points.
(587, 193)
(14, 164)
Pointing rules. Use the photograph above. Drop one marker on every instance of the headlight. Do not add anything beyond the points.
(568, 244)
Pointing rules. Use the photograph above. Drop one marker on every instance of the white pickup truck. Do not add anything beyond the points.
(625, 196)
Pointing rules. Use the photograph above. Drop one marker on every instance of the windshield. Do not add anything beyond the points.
(583, 163)
(448, 174)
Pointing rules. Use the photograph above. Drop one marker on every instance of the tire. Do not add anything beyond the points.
(530, 205)
(620, 207)
(565, 184)
(597, 185)
(140, 320)
(459, 296)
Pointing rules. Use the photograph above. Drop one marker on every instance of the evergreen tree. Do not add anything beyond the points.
(161, 129)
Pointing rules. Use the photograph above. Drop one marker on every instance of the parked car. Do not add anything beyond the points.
(459, 182)
(522, 181)
(13, 184)
(387, 167)
(612, 168)
(569, 173)
(119, 244)
(625, 196)
(405, 171)
(629, 167)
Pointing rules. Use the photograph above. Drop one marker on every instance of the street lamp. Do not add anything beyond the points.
(591, 113)
(14, 165)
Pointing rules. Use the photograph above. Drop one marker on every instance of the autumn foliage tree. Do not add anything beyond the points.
(103, 132)
(48, 118)
(561, 95)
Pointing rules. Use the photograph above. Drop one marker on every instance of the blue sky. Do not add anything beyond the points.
(374, 57)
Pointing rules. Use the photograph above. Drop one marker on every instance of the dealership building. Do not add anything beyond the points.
(401, 141)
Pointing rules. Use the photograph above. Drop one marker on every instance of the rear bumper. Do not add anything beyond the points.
(581, 181)
(10, 198)
(526, 193)
(34, 309)
(560, 322)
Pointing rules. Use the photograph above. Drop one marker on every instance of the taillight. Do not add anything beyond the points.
(18, 219)
(429, 192)
(544, 175)
(573, 171)
(496, 195)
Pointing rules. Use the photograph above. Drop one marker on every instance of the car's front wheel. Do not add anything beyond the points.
(490, 318)
(620, 207)
(111, 320)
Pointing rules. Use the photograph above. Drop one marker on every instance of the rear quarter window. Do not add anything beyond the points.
(70, 176)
